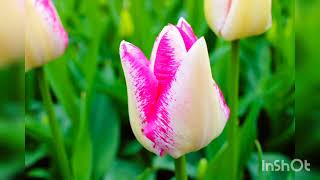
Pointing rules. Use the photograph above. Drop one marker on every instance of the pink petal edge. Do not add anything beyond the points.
(187, 33)
(222, 101)
(53, 19)
(139, 77)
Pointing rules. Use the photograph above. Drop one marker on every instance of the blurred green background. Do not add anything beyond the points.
(98, 137)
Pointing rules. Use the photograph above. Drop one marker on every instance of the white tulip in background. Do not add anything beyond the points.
(175, 106)
(235, 19)
(46, 38)
(12, 31)
(30, 29)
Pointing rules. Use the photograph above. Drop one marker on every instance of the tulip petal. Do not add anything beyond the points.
(187, 33)
(196, 110)
(168, 52)
(216, 12)
(142, 89)
(46, 38)
(247, 18)
(171, 51)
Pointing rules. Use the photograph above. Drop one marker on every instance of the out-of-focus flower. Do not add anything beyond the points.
(235, 19)
(175, 106)
(45, 38)
(12, 31)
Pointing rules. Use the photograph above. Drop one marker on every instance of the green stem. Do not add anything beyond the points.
(61, 155)
(180, 168)
(260, 157)
(233, 101)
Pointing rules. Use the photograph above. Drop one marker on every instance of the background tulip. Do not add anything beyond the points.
(175, 106)
(235, 19)
(46, 38)
(12, 14)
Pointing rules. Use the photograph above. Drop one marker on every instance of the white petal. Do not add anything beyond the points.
(216, 12)
(247, 18)
(170, 43)
(195, 110)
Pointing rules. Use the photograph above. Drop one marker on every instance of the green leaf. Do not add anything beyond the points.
(123, 170)
(37, 130)
(31, 157)
(39, 173)
(82, 148)
(147, 174)
(307, 175)
(132, 148)
(217, 167)
(63, 88)
(105, 134)
(248, 133)
(195, 16)
(214, 147)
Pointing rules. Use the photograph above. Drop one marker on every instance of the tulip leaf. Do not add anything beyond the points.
(147, 174)
(142, 25)
(217, 167)
(122, 169)
(82, 147)
(63, 88)
(248, 133)
(31, 157)
(105, 134)
(213, 148)
(195, 12)
(38, 173)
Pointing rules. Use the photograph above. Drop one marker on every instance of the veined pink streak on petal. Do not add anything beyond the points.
(170, 51)
(50, 14)
(187, 33)
(138, 74)
(222, 101)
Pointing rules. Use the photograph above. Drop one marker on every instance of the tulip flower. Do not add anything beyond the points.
(46, 38)
(12, 14)
(175, 106)
(235, 19)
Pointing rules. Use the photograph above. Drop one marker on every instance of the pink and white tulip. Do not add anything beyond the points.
(235, 19)
(46, 38)
(175, 106)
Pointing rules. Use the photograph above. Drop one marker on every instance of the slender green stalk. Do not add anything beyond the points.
(180, 168)
(233, 101)
(260, 154)
(61, 155)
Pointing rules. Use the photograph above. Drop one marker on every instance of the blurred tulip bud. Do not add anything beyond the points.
(235, 19)
(175, 106)
(12, 31)
(126, 24)
(46, 38)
